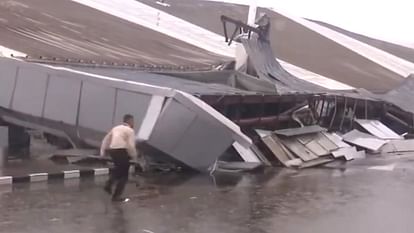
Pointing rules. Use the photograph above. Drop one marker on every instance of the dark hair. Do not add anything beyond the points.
(127, 117)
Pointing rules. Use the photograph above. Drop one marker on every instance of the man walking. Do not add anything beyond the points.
(120, 144)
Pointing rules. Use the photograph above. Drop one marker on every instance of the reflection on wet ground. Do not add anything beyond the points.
(315, 200)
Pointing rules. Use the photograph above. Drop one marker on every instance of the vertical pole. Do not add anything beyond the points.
(354, 113)
(344, 113)
(262, 109)
(321, 109)
(412, 126)
(334, 113)
(4, 144)
(251, 19)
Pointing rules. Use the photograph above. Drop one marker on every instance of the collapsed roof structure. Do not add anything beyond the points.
(305, 44)
(192, 98)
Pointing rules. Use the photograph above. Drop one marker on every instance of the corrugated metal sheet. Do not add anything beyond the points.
(314, 78)
(364, 140)
(300, 150)
(303, 150)
(300, 131)
(189, 86)
(146, 16)
(336, 139)
(268, 68)
(277, 149)
(50, 29)
(378, 129)
(319, 138)
(310, 146)
(398, 146)
(317, 148)
(247, 154)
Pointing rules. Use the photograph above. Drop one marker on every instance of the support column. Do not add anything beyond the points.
(4, 143)
(19, 140)
(251, 20)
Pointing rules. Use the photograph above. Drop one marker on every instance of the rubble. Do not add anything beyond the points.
(279, 151)
(364, 140)
(311, 146)
(304, 147)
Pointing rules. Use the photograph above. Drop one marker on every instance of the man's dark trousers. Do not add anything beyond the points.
(120, 172)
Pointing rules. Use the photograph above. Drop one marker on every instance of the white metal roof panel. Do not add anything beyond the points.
(160, 21)
(387, 60)
(378, 129)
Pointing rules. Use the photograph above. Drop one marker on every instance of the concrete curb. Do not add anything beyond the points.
(64, 175)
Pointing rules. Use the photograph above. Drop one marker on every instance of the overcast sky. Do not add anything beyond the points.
(391, 20)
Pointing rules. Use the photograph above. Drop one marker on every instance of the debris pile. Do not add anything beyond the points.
(384, 140)
(313, 145)
(307, 146)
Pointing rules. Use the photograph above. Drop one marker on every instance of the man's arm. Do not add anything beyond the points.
(132, 151)
(106, 143)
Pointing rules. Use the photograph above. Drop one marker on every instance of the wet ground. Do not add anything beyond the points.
(352, 198)
(21, 162)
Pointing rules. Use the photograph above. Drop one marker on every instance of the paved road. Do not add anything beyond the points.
(332, 200)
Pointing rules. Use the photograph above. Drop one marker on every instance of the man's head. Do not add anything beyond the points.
(129, 120)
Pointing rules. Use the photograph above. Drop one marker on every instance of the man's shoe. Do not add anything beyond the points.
(120, 199)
